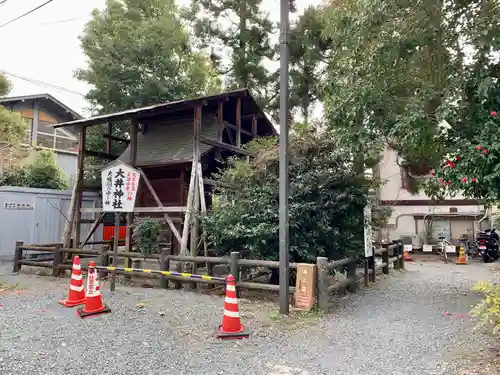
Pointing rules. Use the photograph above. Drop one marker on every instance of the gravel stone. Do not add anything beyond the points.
(396, 326)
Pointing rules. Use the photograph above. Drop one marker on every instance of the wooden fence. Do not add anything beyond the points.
(351, 282)
(60, 260)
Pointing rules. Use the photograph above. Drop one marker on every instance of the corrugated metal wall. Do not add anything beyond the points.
(37, 216)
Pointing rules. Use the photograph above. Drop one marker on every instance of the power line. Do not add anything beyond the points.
(42, 83)
(25, 14)
(59, 21)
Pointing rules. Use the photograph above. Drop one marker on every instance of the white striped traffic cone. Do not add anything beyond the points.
(93, 300)
(76, 295)
(231, 327)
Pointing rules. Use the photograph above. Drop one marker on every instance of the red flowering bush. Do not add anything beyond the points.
(473, 169)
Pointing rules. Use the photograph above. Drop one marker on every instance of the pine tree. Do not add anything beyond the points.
(241, 30)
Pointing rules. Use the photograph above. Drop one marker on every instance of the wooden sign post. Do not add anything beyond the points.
(119, 191)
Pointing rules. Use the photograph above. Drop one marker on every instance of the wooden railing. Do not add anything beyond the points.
(351, 282)
(58, 263)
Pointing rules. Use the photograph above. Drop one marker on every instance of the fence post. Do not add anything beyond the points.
(351, 275)
(18, 257)
(234, 269)
(56, 270)
(395, 253)
(165, 266)
(385, 258)
(401, 252)
(322, 284)
(103, 261)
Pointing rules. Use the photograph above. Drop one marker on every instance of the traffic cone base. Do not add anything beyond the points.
(86, 314)
(76, 294)
(67, 303)
(241, 334)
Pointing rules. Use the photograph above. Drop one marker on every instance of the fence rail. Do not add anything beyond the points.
(324, 267)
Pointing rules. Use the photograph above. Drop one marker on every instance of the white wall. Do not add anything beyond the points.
(390, 172)
(67, 162)
(402, 221)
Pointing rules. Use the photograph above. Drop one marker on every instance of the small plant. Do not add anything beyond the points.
(488, 310)
(146, 232)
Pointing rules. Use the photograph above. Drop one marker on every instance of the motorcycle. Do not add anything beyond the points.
(487, 244)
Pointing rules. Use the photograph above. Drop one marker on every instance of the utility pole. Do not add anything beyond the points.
(284, 238)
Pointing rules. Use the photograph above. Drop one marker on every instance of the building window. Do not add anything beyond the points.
(49, 137)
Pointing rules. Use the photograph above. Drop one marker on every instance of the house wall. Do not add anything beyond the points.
(402, 222)
(36, 115)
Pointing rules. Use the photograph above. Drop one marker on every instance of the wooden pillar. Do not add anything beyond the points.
(134, 125)
(254, 126)
(79, 182)
(238, 122)
(196, 198)
(220, 120)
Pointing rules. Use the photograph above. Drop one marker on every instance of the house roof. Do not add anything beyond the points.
(66, 109)
(170, 142)
(144, 114)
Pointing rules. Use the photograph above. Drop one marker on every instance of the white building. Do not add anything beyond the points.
(418, 219)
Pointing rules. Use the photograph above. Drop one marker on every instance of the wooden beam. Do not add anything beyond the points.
(134, 128)
(224, 146)
(196, 198)
(100, 155)
(220, 120)
(143, 210)
(160, 205)
(79, 189)
(115, 138)
(96, 224)
(254, 126)
(243, 131)
(238, 122)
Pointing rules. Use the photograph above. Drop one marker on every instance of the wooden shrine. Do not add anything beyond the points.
(176, 147)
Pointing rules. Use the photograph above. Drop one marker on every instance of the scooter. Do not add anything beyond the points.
(487, 244)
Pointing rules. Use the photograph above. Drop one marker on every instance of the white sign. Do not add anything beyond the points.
(367, 213)
(17, 206)
(119, 188)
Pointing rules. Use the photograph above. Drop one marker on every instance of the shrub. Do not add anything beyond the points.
(488, 310)
(326, 201)
(146, 232)
(42, 173)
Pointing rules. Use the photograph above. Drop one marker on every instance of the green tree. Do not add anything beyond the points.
(42, 173)
(139, 53)
(472, 170)
(241, 30)
(12, 128)
(308, 54)
(326, 196)
(398, 68)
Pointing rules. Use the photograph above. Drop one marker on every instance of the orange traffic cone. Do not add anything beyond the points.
(406, 257)
(93, 300)
(76, 295)
(231, 327)
(462, 257)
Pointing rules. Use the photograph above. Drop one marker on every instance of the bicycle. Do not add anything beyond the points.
(441, 248)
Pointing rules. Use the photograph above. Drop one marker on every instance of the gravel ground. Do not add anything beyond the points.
(394, 327)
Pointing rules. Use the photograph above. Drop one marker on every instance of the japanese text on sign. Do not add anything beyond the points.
(368, 231)
(119, 187)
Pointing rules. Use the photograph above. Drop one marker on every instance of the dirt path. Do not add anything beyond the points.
(394, 327)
